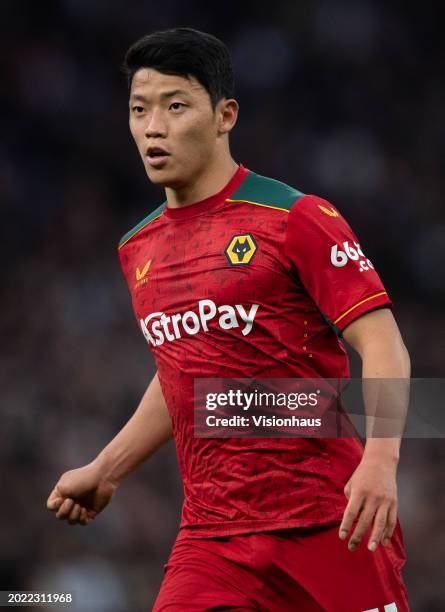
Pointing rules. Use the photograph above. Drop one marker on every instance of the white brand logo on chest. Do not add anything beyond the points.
(158, 327)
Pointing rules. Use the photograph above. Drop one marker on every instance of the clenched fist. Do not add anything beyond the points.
(80, 495)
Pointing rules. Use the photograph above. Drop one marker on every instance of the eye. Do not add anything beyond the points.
(137, 109)
(177, 105)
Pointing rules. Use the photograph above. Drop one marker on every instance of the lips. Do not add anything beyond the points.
(156, 151)
(157, 156)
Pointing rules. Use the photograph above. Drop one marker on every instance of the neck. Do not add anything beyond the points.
(210, 181)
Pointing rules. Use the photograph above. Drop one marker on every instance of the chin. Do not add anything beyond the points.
(158, 177)
(165, 178)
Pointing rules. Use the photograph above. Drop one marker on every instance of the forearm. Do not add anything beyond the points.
(372, 488)
(147, 430)
(385, 370)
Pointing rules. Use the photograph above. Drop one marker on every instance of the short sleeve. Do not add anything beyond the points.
(330, 262)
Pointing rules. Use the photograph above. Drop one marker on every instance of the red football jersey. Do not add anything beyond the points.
(256, 281)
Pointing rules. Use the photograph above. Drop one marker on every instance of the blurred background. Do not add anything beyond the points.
(342, 99)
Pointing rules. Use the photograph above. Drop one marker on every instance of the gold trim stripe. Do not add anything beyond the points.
(258, 204)
(359, 304)
(227, 200)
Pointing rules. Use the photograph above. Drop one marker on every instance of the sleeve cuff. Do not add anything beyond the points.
(378, 300)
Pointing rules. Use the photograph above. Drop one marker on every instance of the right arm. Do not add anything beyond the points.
(81, 494)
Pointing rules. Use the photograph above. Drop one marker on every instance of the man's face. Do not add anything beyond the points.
(173, 125)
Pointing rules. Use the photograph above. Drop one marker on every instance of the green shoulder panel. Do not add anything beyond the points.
(151, 217)
(264, 191)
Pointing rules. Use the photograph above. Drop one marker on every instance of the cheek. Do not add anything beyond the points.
(132, 128)
(138, 137)
(198, 138)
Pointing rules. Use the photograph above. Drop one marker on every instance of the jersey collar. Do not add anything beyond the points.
(204, 206)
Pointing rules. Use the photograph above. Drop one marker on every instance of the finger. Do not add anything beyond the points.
(363, 524)
(54, 503)
(380, 523)
(350, 514)
(74, 515)
(65, 508)
(390, 525)
(54, 500)
(83, 519)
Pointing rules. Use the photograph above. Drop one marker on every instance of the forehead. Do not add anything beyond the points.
(151, 82)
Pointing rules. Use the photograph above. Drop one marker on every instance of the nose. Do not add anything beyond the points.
(156, 125)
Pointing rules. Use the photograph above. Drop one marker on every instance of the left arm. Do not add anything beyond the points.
(372, 488)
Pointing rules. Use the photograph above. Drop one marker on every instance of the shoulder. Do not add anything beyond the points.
(315, 210)
(266, 192)
(155, 214)
(311, 204)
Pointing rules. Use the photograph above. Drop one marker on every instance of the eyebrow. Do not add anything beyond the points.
(164, 95)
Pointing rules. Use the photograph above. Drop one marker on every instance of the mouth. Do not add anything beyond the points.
(157, 156)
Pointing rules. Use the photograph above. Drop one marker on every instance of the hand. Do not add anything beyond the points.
(372, 498)
(80, 495)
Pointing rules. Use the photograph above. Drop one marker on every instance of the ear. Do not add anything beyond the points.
(227, 114)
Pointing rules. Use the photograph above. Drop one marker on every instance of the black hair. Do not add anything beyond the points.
(184, 52)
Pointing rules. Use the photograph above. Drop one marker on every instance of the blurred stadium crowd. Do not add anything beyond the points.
(343, 99)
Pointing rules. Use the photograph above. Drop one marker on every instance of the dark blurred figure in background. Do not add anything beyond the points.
(361, 84)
